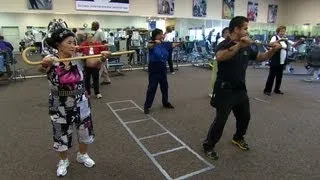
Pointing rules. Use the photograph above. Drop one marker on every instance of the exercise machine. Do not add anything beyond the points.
(202, 57)
(11, 72)
(313, 61)
(261, 49)
(52, 26)
(295, 55)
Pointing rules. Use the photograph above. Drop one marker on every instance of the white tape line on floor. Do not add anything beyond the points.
(152, 156)
(261, 100)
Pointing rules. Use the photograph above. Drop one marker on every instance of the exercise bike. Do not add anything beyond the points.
(294, 55)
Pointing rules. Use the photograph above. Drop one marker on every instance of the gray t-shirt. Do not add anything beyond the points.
(136, 42)
(99, 36)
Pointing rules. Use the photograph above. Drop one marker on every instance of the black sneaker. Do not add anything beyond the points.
(242, 144)
(267, 93)
(279, 92)
(105, 83)
(146, 111)
(168, 106)
(211, 154)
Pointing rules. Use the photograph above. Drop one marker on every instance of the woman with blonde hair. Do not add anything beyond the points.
(277, 61)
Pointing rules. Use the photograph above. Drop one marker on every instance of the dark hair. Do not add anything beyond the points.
(1, 38)
(74, 30)
(95, 25)
(155, 33)
(224, 30)
(280, 28)
(169, 29)
(111, 34)
(58, 36)
(237, 21)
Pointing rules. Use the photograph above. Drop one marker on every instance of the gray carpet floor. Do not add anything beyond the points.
(283, 133)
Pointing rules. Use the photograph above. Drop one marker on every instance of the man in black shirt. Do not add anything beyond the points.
(230, 93)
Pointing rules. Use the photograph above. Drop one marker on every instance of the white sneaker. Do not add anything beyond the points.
(62, 167)
(99, 96)
(210, 95)
(173, 73)
(85, 159)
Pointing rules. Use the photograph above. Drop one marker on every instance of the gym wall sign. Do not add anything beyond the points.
(103, 5)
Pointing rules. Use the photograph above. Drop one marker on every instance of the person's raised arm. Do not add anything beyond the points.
(275, 46)
(105, 55)
(224, 53)
(46, 64)
(294, 44)
(153, 43)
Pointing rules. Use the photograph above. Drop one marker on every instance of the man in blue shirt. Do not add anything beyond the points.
(159, 53)
(4, 45)
(6, 49)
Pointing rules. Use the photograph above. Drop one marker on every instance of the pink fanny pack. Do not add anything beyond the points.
(68, 76)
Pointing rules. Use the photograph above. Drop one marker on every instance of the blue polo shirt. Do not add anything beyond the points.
(160, 52)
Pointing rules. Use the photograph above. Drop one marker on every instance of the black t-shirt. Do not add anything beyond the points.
(234, 69)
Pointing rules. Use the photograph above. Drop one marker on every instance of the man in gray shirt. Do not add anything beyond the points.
(99, 34)
(100, 37)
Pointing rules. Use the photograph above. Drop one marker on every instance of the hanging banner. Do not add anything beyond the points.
(152, 25)
(166, 7)
(227, 9)
(252, 12)
(199, 8)
(103, 5)
(40, 4)
(272, 13)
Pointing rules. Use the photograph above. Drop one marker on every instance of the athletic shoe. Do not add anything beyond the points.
(168, 106)
(242, 144)
(279, 92)
(85, 159)
(146, 111)
(99, 96)
(211, 154)
(62, 167)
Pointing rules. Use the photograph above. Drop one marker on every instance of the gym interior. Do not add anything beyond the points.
(166, 143)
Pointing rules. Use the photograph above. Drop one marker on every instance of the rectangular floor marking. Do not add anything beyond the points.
(147, 152)
(168, 151)
(152, 136)
(136, 121)
(116, 102)
(123, 109)
(194, 173)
